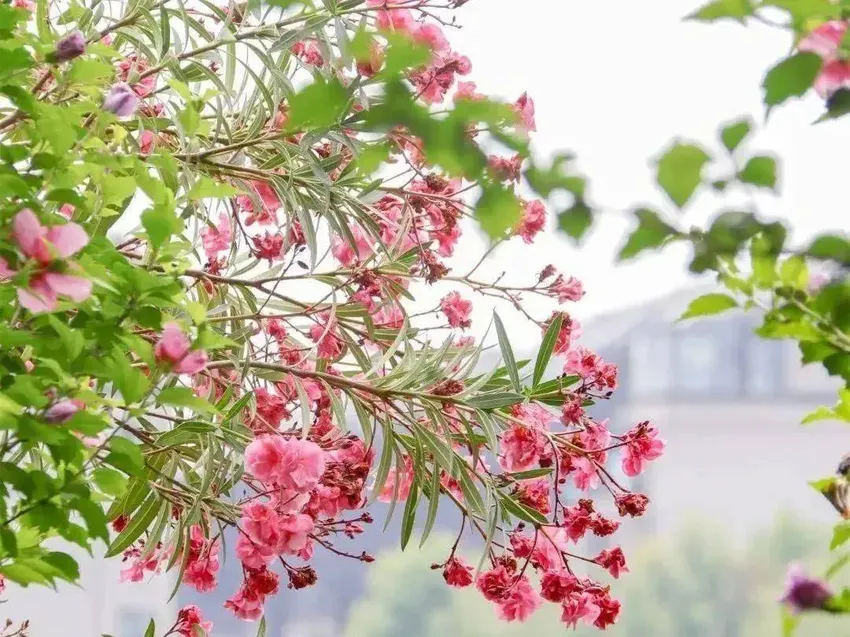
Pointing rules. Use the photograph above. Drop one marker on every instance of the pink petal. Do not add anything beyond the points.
(192, 363)
(28, 233)
(5, 271)
(37, 299)
(67, 239)
(76, 288)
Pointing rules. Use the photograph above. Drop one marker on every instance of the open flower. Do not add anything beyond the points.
(47, 248)
(121, 101)
(173, 349)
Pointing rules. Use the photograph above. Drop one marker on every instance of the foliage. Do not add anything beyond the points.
(287, 190)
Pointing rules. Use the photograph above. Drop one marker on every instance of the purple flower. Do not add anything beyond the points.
(61, 411)
(71, 46)
(121, 100)
(803, 592)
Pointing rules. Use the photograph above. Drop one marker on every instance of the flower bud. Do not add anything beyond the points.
(121, 100)
(71, 46)
(803, 592)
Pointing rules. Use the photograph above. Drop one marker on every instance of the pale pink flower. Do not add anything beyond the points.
(348, 254)
(520, 602)
(567, 289)
(173, 348)
(431, 35)
(825, 41)
(62, 411)
(292, 463)
(147, 142)
(246, 604)
(533, 220)
(467, 91)
(404, 480)
(295, 530)
(308, 52)
(579, 606)
(834, 75)
(524, 107)
(642, 445)
(253, 554)
(47, 245)
(457, 310)
(217, 238)
(266, 214)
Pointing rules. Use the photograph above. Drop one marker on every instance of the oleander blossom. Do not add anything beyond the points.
(825, 41)
(46, 250)
(291, 463)
(456, 310)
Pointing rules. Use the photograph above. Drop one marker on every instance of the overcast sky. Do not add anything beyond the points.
(615, 81)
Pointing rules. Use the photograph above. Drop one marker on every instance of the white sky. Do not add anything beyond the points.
(615, 81)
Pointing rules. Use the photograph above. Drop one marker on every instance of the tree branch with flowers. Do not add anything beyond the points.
(250, 354)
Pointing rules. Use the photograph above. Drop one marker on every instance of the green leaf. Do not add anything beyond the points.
(576, 220)
(137, 525)
(546, 348)
(708, 305)
(409, 516)
(115, 189)
(64, 563)
(507, 353)
(821, 413)
(792, 77)
(759, 171)
(830, 247)
(721, 9)
(160, 222)
(840, 535)
(184, 397)
(497, 210)
(206, 188)
(110, 481)
(679, 171)
(495, 401)
(651, 232)
(124, 455)
(317, 106)
(151, 629)
(733, 134)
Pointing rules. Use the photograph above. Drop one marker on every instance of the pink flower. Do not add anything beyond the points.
(642, 446)
(47, 246)
(403, 478)
(325, 336)
(613, 560)
(217, 238)
(524, 107)
(494, 584)
(188, 619)
(457, 573)
(533, 220)
(505, 169)
(570, 329)
(389, 316)
(579, 606)
(295, 530)
(308, 52)
(519, 604)
(534, 494)
(467, 91)
(825, 41)
(268, 246)
(457, 310)
(292, 463)
(62, 411)
(147, 141)
(121, 100)
(400, 20)
(348, 254)
(27, 5)
(577, 520)
(261, 523)
(246, 604)
(567, 290)
(269, 204)
(253, 554)
(66, 210)
(173, 349)
(431, 35)
(555, 585)
(521, 448)
(133, 65)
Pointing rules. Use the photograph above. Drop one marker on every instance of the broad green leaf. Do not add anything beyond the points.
(679, 171)
(792, 77)
(319, 105)
(759, 171)
(709, 304)
(206, 188)
(576, 220)
(720, 9)
(651, 232)
(497, 210)
(184, 397)
(160, 222)
(733, 134)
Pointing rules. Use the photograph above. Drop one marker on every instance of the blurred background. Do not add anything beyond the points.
(613, 81)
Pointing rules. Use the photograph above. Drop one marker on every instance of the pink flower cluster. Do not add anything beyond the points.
(825, 41)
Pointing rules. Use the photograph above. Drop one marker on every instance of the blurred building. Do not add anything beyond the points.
(728, 404)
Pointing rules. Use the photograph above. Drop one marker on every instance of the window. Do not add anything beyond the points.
(133, 623)
(649, 366)
(764, 365)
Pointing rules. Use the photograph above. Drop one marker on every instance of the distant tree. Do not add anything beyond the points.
(699, 583)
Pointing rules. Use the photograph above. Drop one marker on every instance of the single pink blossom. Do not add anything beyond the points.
(173, 348)
(217, 238)
(457, 310)
(520, 602)
(292, 463)
(567, 289)
(524, 107)
(642, 445)
(613, 560)
(579, 606)
(533, 220)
